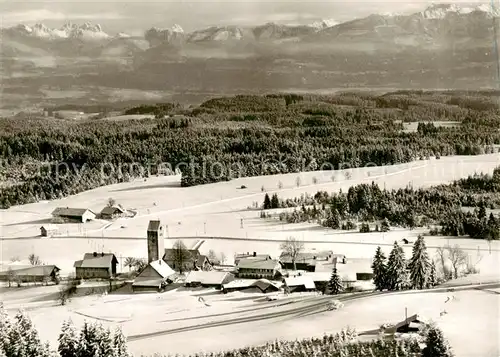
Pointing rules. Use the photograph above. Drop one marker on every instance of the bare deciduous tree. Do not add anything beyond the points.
(292, 248)
(10, 276)
(222, 258)
(458, 258)
(180, 255)
(298, 181)
(111, 202)
(212, 256)
(34, 259)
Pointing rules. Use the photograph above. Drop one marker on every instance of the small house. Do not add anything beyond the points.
(96, 266)
(189, 262)
(156, 276)
(75, 215)
(212, 279)
(254, 268)
(49, 230)
(112, 212)
(411, 324)
(299, 284)
(30, 273)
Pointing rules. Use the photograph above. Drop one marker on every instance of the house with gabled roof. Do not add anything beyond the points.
(96, 266)
(299, 283)
(255, 268)
(112, 212)
(49, 230)
(194, 260)
(214, 279)
(155, 277)
(30, 273)
(77, 215)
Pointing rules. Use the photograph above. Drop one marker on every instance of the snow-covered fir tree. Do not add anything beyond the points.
(19, 337)
(432, 275)
(419, 265)
(120, 343)
(335, 284)
(396, 268)
(69, 342)
(379, 269)
(435, 344)
(385, 226)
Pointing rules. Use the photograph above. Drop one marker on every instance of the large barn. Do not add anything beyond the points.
(30, 273)
(76, 215)
(254, 268)
(96, 266)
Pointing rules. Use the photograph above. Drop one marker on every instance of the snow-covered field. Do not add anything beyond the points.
(219, 215)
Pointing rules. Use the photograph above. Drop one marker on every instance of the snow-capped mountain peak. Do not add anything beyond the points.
(177, 28)
(323, 24)
(87, 31)
(440, 11)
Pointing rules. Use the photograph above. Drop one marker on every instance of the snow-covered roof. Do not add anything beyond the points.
(162, 268)
(306, 281)
(207, 277)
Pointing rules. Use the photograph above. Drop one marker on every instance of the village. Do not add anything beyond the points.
(295, 270)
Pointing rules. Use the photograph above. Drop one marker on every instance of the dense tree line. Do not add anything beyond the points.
(18, 337)
(232, 137)
(441, 205)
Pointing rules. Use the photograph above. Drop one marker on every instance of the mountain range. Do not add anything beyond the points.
(438, 25)
(443, 46)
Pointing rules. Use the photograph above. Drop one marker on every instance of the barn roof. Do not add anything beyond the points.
(305, 281)
(70, 212)
(254, 263)
(96, 260)
(261, 284)
(410, 320)
(161, 271)
(112, 210)
(32, 270)
(207, 277)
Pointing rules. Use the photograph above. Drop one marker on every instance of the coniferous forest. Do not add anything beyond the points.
(223, 138)
(456, 209)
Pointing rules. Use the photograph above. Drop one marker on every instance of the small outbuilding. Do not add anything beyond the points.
(299, 284)
(49, 230)
(411, 324)
(112, 212)
(213, 279)
(96, 266)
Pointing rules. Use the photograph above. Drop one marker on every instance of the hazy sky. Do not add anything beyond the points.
(119, 15)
